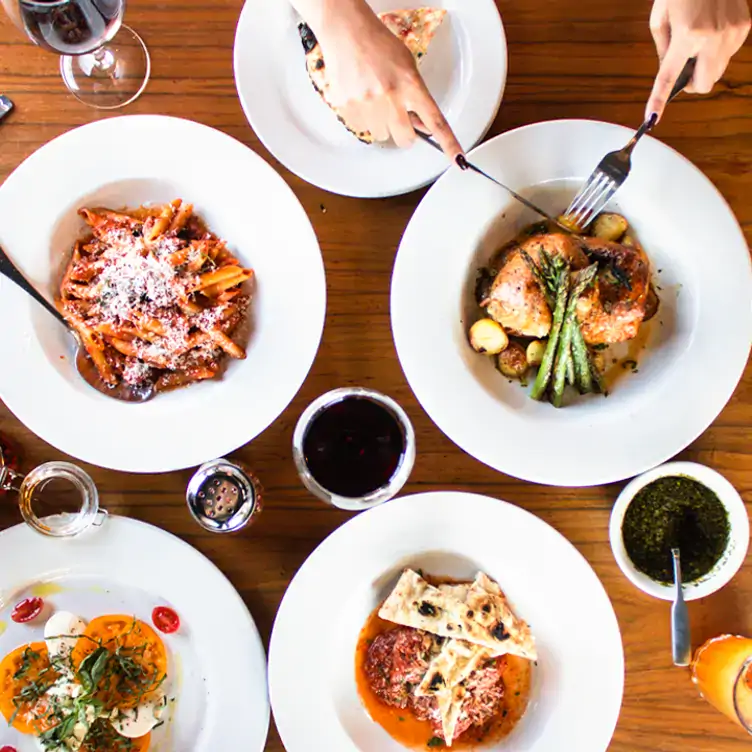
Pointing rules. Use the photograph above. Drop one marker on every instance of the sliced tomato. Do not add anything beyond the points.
(20, 668)
(132, 639)
(27, 610)
(165, 619)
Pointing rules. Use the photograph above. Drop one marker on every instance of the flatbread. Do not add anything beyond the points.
(416, 28)
(447, 672)
(484, 617)
(456, 661)
(450, 708)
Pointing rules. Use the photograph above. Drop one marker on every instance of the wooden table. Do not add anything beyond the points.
(592, 61)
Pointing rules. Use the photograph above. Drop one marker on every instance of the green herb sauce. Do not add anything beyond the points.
(675, 512)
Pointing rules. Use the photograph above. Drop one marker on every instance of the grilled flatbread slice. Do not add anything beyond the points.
(456, 661)
(416, 28)
(484, 617)
(448, 671)
(449, 703)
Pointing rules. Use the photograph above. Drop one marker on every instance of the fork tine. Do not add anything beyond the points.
(583, 197)
(597, 203)
(580, 197)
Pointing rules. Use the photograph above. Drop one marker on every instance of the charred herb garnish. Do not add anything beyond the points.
(435, 742)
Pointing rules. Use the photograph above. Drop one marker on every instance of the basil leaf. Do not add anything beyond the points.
(60, 732)
(435, 741)
(92, 669)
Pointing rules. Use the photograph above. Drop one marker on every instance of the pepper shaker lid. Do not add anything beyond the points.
(223, 496)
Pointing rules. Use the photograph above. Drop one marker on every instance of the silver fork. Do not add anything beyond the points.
(614, 168)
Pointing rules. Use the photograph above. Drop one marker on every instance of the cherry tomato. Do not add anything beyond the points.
(7, 748)
(27, 610)
(165, 620)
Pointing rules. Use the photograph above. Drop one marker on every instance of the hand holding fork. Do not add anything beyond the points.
(614, 168)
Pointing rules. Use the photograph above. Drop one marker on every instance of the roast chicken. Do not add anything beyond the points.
(610, 311)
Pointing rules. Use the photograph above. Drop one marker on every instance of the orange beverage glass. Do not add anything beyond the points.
(722, 671)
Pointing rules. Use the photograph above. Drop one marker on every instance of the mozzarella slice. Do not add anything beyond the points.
(61, 633)
(138, 721)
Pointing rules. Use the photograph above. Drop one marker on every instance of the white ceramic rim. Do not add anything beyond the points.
(212, 612)
(141, 158)
(380, 495)
(733, 557)
(272, 83)
(675, 211)
(577, 685)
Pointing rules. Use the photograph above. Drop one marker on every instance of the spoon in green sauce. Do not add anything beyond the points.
(681, 643)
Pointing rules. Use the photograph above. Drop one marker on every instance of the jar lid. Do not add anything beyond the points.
(223, 497)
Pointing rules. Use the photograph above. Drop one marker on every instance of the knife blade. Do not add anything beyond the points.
(463, 164)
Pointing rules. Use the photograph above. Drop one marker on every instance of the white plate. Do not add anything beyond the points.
(465, 70)
(693, 360)
(217, 669)
(129, 161)
(578, 682)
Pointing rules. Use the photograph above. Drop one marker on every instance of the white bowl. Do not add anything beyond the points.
(577, 683)
(675, 211)
(143, 159)
(733, 556)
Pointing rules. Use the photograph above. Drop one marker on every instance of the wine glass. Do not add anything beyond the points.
(103, 63)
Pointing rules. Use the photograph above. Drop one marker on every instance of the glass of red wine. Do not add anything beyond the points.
(103, 63)
(354, 448)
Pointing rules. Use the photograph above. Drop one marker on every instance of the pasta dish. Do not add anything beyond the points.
(154, 296)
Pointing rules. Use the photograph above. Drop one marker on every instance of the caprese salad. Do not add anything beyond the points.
(96, 687)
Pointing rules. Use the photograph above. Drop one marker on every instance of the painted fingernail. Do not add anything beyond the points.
(461, 161)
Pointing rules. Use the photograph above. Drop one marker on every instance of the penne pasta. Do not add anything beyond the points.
(182, 215)
(154, 295)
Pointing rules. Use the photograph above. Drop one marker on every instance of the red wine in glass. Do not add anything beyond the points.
(103, 63)
(354, 448)
(71, 27)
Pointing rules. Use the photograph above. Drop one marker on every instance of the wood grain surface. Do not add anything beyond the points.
(592, 59)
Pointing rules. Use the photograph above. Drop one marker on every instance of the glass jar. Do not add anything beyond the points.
(56, 499)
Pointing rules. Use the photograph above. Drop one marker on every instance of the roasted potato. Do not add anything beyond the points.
(534, 352)
(652, 304)
(488, 337)
(512, 361)
(609, 226)
(567, 223)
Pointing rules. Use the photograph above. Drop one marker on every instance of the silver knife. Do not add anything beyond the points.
(465, 165)
(6, 106)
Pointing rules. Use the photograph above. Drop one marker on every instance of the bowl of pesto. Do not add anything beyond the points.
(679, 505)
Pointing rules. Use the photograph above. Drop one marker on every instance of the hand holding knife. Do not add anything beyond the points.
(463, 164)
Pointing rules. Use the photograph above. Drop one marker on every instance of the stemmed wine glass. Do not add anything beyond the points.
(103, 63)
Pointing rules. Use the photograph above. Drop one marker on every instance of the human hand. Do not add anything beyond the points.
(711, 30)
(374, 81)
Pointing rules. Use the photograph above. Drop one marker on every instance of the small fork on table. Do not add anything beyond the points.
(614, 168)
